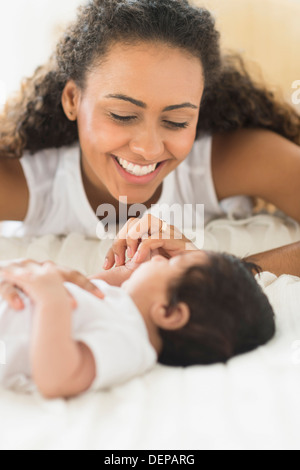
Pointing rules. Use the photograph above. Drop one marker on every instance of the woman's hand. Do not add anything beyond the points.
(142, 238)
(9, 272)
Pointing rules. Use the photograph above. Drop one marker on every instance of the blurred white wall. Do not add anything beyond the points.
(28, 33)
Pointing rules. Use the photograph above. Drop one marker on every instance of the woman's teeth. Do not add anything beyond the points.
(136, 170)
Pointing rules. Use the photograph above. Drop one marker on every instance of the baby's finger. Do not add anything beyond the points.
(20, 264)
(75, 277)
(90, 287)
(73, 301)
(10, 294)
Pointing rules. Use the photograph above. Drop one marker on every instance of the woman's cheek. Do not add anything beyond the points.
(181, 144)
(109, 137)
(98, 135)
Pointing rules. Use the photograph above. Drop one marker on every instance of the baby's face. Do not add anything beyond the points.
(153, 277)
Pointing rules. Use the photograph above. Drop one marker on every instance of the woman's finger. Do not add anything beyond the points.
(130, 237)
(148, 225)
(168, 247)
(117, 253)
(146, 248)
(136, 232)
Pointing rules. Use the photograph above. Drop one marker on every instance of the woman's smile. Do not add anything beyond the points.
(137, 174)
(136, 168)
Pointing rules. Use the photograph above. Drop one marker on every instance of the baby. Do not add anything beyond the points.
(195, 308)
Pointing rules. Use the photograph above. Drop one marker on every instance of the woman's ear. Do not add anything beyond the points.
(170, 319)
(70, 100)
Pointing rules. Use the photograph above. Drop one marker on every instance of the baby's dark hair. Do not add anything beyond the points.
(229, 313)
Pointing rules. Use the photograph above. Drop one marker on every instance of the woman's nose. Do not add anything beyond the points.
(148, 144)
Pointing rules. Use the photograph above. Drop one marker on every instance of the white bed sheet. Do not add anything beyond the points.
(250, 403)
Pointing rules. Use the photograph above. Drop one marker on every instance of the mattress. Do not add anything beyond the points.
(250, 403)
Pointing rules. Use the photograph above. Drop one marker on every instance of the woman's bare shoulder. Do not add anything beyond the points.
(258, 162)
(14, 193)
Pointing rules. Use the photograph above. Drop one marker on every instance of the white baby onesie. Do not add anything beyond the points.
(112, 328)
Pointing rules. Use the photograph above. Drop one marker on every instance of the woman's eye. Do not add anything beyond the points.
(128, 119)
(177, 125)
(116, 117)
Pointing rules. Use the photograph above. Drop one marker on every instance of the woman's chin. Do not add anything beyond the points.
(137, 196)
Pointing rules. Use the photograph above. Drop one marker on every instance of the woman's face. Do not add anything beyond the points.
(137, 118)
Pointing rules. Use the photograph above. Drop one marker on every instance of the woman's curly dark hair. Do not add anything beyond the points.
(35, 120)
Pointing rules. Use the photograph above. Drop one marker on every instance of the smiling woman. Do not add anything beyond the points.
(138, 102)
(148, 131)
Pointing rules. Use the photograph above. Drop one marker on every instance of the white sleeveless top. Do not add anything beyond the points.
(58, 203)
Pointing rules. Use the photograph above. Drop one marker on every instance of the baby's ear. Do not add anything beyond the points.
(170, 319)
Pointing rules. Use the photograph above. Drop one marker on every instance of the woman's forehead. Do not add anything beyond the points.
(127, 68)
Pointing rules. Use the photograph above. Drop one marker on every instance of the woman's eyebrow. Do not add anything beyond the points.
(143, 105)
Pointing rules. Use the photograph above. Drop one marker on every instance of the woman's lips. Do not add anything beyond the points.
(138, 179)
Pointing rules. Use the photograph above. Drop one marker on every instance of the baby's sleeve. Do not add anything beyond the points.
(120, 354)
(115, 332)
(265, 279)
(121, 350)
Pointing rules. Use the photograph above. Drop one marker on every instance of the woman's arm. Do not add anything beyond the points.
(284, 260)
(61, 367)
(14, 193)
(258, 163)
(263, 164)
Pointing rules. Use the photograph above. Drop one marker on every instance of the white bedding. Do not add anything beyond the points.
(250, 403)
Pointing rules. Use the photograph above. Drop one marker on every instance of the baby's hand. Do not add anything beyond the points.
(142, 238)
(41, 283)
(10, 293)
(118, 275)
